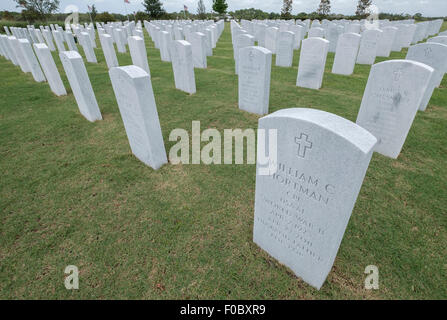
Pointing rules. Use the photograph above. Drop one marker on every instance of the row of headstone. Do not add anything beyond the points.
(303, 204)
(321, 158)
(279, 35)
(186, 45)
(39, 62)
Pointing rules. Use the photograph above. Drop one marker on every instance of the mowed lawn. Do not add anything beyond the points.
(72, 193)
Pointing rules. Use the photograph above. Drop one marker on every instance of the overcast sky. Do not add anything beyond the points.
(426, 7)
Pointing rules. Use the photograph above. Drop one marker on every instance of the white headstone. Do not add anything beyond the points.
(284, 49)
(439, 39)
(400, 34)
(254, 79)
(386, 41)
(434, 55)
(270, 38)
(31, 60)
(242, 41)
(49, 39)
(368, 46)
(303, 207)
(87, 46)
(138, 53)
(80, 84)
(165, 46)
(392, 96)
(199, 47)
(299, 35)
(346, 53)
(108, 50)
(133, 91)
(312, 62)
(59, 41)
(119, 40)
(14, 43)
(332, 36)
(49, 69)
(69, 38)
(209, 42)
(183, 67)
(316, 33)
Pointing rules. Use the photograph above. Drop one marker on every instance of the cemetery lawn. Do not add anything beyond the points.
(73, 194)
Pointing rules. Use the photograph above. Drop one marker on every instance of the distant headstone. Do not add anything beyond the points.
(199, 47)
(346, 53)
(120, 44)
(69, 38)
(108, 50)
(312, 62)
(31, 60)
(87, 46)
(353, 28)
(439, 39)
(133, 91)
(303, 207)
(332, 36)
(299, 35)
(138, 53)
(183, 67)
(400, 34)
(59, 41)
(242, 41)
(315, 33)
(18, 54)
(9, 50)
(165, 46)
(386, 41)
(49, 69)
(392, 96)
(284, 49)
(80, 84)
(49, 39)
(434, 55)
(209, 42)
(271, 34)
(368, 46)
(254, 79)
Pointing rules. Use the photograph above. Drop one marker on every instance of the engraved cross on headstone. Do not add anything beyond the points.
(303, 144)
(397, 74)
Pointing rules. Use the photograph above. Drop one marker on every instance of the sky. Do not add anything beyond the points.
(426, 7)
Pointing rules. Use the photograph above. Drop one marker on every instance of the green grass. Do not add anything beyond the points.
(72, 193)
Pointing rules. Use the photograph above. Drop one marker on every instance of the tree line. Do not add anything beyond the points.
(44, 10)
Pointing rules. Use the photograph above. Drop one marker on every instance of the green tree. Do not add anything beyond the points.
(302, 16)
(250, 14)
(286, 11)
(105, 17)
(154, 8)
(6, 15)
(361, 7)
(324, 8)
(274, 15)
(30, 16)
(93, 12)
(41, 8)
(140, 15)
(220, 6)
(201, 10)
